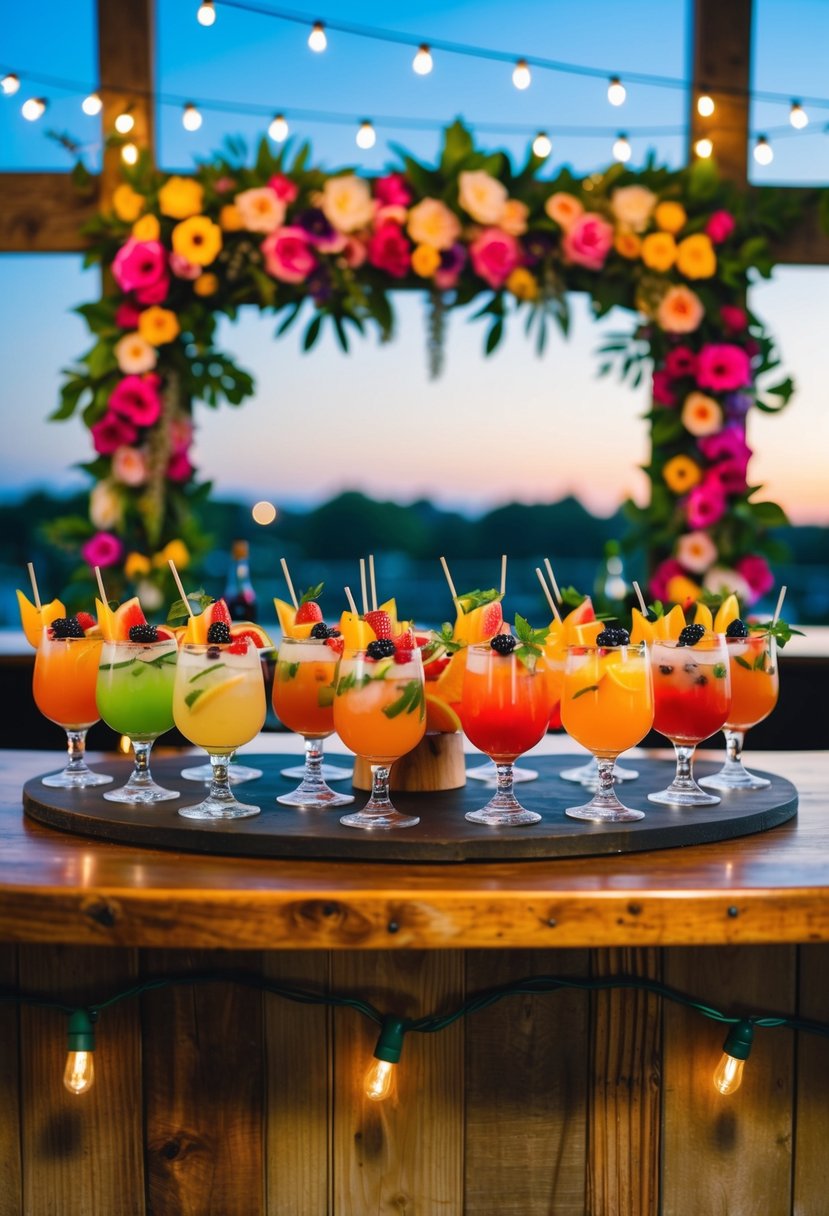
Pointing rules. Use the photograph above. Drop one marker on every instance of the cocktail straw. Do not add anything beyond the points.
(363, 586)
(779, 607)
(182, 592)
(101, 588)
(372, 582)
(35, 592)
(552, 579)
(452, 590)
(503, 574)
(548, 595)
(291, 591)
(351, 603)
(640, 598)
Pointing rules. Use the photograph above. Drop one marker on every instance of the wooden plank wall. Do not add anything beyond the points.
(214, 1100)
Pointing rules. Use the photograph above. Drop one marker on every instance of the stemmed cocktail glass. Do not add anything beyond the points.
(65, 675)
(755, 684)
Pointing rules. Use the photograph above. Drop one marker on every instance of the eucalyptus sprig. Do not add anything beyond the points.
(530, 641)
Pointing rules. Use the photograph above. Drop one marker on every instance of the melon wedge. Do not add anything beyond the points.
(642, 630)
(105, 615)
(728, 611)
(702, 616)
(34, 619)
(449, 684)
(356, 632)
(286, 615)
(480, 624)
(670, 626)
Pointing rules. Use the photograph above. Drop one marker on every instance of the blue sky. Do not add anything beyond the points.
(568, 431)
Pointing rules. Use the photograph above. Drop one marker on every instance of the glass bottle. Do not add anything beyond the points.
(239, 595)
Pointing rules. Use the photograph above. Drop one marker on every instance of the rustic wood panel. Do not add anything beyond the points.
(299, 1052)
(734, 1153)
(625, 1108)
(43, 212)
(126, 56)
(11, 1182)
(405, 1155)
(811, 1161)
(721, 51)
(203, 1090)
(526, 1089)
(77, 1148)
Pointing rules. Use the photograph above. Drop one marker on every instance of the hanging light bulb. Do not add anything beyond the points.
(542, 147)
(422, 62)
(80, 1066)
(380, 1076)
(521, 75)
(33, 108)
(366, 136)
(705, 105)
(206, 14)
(92, 105)
(621, 148)
(317, 39)
(703, 148)
(191, 119)
(124, 123)
(278, 130)
(10, 84)
(129, 154)
(763, 152)
(616, 92)
(728, 1075)
(798, 116)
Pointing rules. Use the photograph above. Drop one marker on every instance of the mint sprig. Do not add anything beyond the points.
(313, 593)
(442, 643)
(530, 641)
(179, 610)
(780, 630)
(470, 600)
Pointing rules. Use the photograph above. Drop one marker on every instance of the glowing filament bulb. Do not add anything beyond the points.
(422, 62)
(616, 92)
(763, 153)
(80, 1062)
(206, 14)
(278, 130)
(380, 1076)
(129, 154)
(10, 84)
(621, 149)
(379, 1080)
(798, 116)
(33, 108)
(521, 75)
(366, 136)
(705, 106)
(542, 147)
(92, 105)
(728, 1074)
(703, 148)
(124, 123)
(317, 39)
(191, 119)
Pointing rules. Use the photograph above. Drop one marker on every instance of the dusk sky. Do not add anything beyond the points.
(309, 431)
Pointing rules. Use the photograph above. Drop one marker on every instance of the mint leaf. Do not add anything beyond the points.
(781, 630)
(179, 610)
(742, 662)
(409, 700)
(313, 593)
(719, 671)
(471, 600)
(571, 598)
(582, 691)
(191, 697)
(205, 672)
(286, 670)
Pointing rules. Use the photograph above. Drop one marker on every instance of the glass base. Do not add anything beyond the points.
(236, 773)
(328, 772)
(319, 797)
(734, 777)
(214, 808)
(599, 813)
(588, 774)
(383, 819)
(501, 817)
(76, 779)
(488, 773)
(673, 796)
(140, 793)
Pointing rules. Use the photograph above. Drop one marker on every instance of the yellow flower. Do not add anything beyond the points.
(670, 217)
(158, 325)
(147, 228)
(180, 197)
(682, 590)
(627, 244)
(136, 565)
(206, 285)
(198, 239)
(175, 551)
(659, 251)
(695, 257)
(522, 284)
(127, 203)
(230, 218)
(681, 474)
(425, 261)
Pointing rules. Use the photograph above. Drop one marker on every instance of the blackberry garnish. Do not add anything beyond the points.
(380, 648)
(613, 635)
(218, 634)
(143, 633)
(67, 627)
(503, 643)
(737, 629)
(320, 630)
(690, 635)
(213, 652)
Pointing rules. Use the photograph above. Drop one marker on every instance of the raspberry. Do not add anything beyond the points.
(690, 635)
(613, 636)
(403, 656)
(320, 631)
(86, 621)
(336, 643)
(143, 633)
(406, 639)
(218, 634)
(737, 629)
(66, 627)
(503, 643)
(382, 648)
(380, 622)
(307, 612)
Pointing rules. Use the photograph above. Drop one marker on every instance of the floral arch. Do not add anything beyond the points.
(677, 248)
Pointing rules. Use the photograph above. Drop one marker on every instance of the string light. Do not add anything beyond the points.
(798, 116)
(206, 14)
(10, 84)
(124, 123)
(703, 148)
(129, 154)
(621, 148)
(366, 136)
(763, 152)
(705, 105)
(380, 1077)
(317, 40)
(542, 146)
(728, 1075)
(33, 108)
(616, 92)
(191, 118)
(521, 75)
(92, 105)
(278, 129)
(422, 62)
(80, 1062)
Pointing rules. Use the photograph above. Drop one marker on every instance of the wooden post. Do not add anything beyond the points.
(722, 70)
(125, 67)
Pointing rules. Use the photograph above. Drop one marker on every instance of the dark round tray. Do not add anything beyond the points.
(442, 834)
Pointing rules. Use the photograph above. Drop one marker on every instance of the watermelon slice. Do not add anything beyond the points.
(123, 619)
(252, 633)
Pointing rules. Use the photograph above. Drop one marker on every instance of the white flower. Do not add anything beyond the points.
(482, 196)
(105, 507)
(261, 209)
(633, 206)
(346, 203)
(134, 354)
(721, 580)
(696, 551)
(151, 596)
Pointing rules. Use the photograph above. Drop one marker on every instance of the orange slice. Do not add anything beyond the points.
(630, 677)
(440, 716)
(703, 617)
(33, 620)
(449, 684)
(728, 611)
(586, 634)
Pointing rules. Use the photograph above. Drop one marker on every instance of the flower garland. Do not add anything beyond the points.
(678, 248)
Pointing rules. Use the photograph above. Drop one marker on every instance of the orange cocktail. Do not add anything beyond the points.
(65, 677)
(755, 685)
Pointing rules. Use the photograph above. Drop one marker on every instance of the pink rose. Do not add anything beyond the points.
(588, 242)
(389, 250)
(679, 362)
(155, 293)
(179, 469)
(284, 188)
(393, 190)
(288, 255)
(733, 318)
(723, 367)
(706, 503)
(129, 466)
(183, 268)
(755, 570)
(102, 549)
(720, 226)
(111, 433)
(728, 444)
(181, 435)
(137, 399)
(223, 184)
(663, 390)
(495, 254)
(139, 264)
(662, 575)
(126, 316)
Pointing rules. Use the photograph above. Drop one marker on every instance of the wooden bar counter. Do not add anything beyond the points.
(217, 1099)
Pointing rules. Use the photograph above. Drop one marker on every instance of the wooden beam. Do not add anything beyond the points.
(43, 212)
(125, 68)
(722, 70)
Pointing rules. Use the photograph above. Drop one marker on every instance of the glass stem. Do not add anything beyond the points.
(605, 791)
(504, 782)
(141, 772)
(313, 762)
(734, 740)
(684, 778)
(220, 784)
(379, 787)
(76, 751)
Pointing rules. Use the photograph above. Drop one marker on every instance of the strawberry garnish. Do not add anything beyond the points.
(86, 621)
(380, 622)
(219, 613)
(337, 643)
(308, 613)
(492, 619)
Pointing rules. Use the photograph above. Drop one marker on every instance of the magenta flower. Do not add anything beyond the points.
(155, 293)
(139, 264)
(731, 474)
(720, 226)
(663, 390)
(723, 367)
(389, 250)
(495, 254)
(179, 469)
(662, 575)
(452, 262)
(393, 190)
(706, 503)
(727, 444)
(183, 268)
(680, 361)
(284, 188)
(755, 570)
(102, 549)
(137, 399)
(111, 433)
(181, 435)
(588, 241)
(126, 316)
(733, 318)
(288, 255)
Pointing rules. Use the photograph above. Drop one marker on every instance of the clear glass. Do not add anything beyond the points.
(380, 714)
(135, 697)
(303, 699)
(692, 698)
(236, 773)
(505, 710)
(219, 704)
(488, 773)
(607, 706)
(588, 774)
(65, 675)
(755, 685)
(328, 771)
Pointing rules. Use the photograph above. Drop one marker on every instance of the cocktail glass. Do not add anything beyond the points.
(328, 772)
(380, 714)
(135, 698)
(219, 704)
(692, 698)
(607, 706)
(66, 671)
(505, 710)
(488, 773)
(236, 773)
(588, 774)
(303, 699)
(755, 684)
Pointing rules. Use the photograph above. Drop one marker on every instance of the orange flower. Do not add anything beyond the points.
(158, 325)
(136, 565)
(670, 217)
(627, 244)
(230, 218)
(147, 228)
(680, 310)
(522, 284)
(198, 240)
(127, 203)
(180, 197)
(701, 414)
(425, 261)
(206, 285)
(681, 474)
(659, 251)
(682, 590)
(564, 208)
(695, 257)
